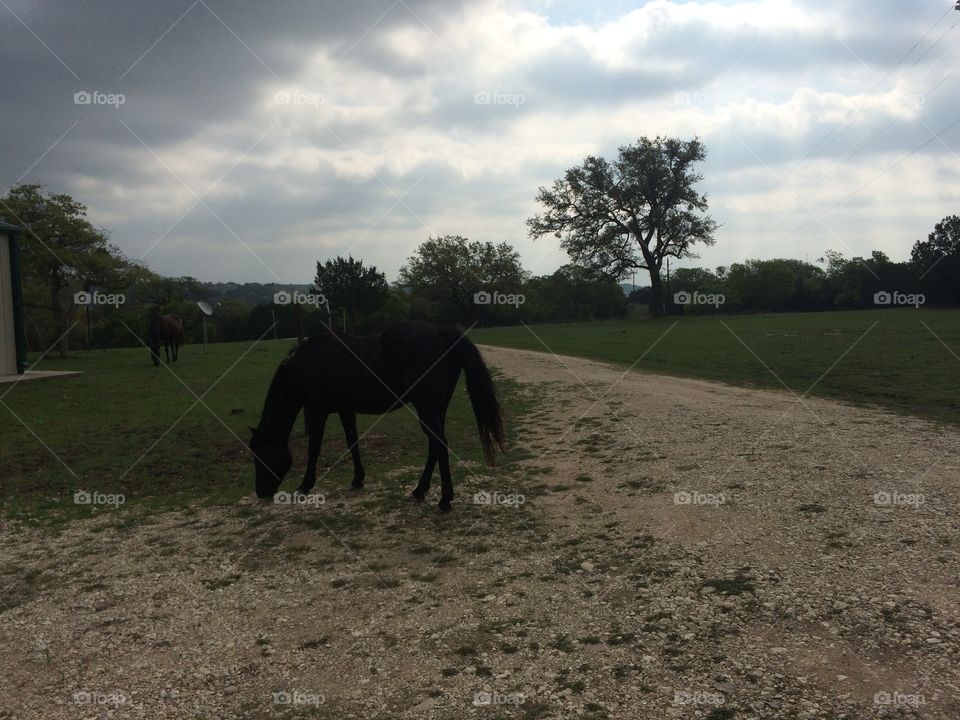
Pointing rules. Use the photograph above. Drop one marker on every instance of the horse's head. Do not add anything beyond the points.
(271, 461)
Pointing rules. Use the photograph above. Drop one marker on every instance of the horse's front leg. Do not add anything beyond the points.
(166, 351)
(315, 420)
(349, 421)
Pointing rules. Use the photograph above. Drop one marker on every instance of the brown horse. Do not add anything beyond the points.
(168, 331)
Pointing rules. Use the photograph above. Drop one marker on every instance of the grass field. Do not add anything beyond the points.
(163, 437)
(904, 360)
(599, 596)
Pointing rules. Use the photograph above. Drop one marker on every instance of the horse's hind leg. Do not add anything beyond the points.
(176, 348)
(423, 487)
(446, 482)
(315, 420)
(349, 421)
(433, 427)
(443, 455)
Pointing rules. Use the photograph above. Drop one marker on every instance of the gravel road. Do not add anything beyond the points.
(669, 548)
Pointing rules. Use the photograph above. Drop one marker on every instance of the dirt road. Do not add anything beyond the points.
(668, 548)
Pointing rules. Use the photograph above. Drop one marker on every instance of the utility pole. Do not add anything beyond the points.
(668, 300)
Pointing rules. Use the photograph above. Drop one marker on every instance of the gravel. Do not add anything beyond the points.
(731, 553)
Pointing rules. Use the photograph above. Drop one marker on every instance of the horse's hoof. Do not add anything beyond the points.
(357, 484)
(416, 498)
(445, 506)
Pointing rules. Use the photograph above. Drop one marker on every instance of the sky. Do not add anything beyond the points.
(245, 141)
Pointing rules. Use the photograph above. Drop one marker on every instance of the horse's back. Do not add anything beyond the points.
(418, 345)
(176, 328)
(166, 328)
(336, 371)
(420, 357)
(368, 374)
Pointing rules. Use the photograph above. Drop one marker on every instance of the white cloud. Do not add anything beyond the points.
(359, 118)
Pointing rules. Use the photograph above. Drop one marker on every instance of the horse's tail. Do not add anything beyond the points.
(483, 396)
(178, 330)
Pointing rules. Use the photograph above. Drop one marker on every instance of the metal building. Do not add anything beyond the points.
(13, 346)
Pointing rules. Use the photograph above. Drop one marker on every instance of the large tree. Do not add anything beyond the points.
(632, 212)
(936, 261)
(62, 253)
(351, 286)
(445, 275)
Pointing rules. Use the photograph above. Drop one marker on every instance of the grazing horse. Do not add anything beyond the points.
(411, 363)
(166, 330)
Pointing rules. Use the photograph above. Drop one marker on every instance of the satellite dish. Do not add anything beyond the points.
(207, 312)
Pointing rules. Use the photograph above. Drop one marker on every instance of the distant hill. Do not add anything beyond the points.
(253, 293)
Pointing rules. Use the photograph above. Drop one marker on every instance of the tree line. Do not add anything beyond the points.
(80, 291)
(930, 277)
(613, 217)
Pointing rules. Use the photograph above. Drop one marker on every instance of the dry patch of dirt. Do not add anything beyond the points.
(683, 549)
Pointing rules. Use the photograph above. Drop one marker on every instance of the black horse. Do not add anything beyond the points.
(166, 330)
(411, 363)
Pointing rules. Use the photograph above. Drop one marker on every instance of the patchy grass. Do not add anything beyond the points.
(890, 358)
(125, 429)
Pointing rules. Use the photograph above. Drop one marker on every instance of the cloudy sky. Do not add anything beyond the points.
(255, 138)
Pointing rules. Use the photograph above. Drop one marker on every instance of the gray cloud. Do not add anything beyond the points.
(393, 111)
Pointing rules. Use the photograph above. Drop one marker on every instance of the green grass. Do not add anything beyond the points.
(126, 427)
(879, 357)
